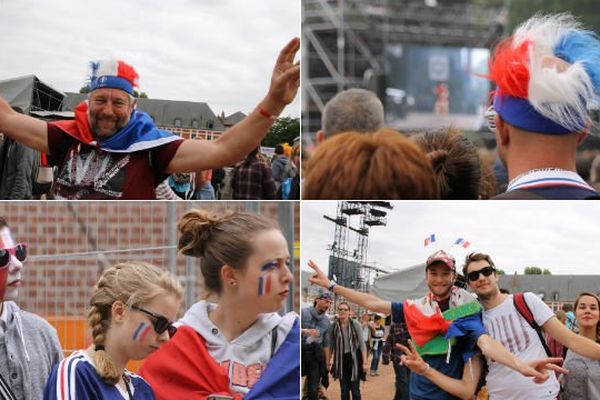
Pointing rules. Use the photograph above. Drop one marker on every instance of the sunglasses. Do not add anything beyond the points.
(159, 323)
(19, 251)
(487, 271)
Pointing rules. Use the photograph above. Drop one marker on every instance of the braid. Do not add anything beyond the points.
(104, 365)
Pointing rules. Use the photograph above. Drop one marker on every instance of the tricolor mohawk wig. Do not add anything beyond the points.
(547, 73)
(112, 74)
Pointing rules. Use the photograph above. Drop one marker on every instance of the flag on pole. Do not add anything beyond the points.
(462, 242)
(429, 239)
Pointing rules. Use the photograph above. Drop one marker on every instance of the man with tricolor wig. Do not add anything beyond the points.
(547, 75)
(113, 151)
(29, 346)
(446, 329)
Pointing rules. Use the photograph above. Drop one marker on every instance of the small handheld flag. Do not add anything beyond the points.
(429, 239)
(462, 242)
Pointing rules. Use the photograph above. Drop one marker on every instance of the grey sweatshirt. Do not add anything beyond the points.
(29, 348)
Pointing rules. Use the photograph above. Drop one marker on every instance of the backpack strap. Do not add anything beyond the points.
(523, 309)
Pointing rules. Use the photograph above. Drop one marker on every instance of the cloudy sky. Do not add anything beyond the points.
(560, 236)
(219, 52)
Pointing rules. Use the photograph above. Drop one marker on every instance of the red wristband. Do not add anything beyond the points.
(266, 114)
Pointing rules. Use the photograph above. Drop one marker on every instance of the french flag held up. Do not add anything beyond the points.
(462, 242)
(429, 239)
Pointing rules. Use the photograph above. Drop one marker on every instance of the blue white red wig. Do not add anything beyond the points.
(547, 74)
(113, 74)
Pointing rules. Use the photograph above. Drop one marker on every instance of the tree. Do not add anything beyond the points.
(141, 95)
(84, 89)
(546, 272)
(584, 10)
(284, 130)
(532, 271)
(500, 271)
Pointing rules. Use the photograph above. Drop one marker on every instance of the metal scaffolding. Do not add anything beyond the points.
(344, 41)
(348, 258)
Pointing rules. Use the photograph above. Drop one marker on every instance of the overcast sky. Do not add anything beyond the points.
(219, 52)
(561, 236)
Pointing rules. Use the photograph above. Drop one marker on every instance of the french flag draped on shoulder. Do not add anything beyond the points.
(432, 331)
(429, 239)
(281, 378)
(139, 133)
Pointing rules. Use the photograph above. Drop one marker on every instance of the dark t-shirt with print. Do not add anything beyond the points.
(86, 172)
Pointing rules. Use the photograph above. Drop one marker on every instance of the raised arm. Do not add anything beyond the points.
(537, 369)
(24, 129)
(463, 388)
(365, 300)
(579, 344)
(243, 137)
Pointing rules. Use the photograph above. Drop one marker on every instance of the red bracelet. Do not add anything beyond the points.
(266, 114)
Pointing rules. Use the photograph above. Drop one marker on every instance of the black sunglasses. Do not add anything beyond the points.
(487, 271)
(19, 251)
(159, 323)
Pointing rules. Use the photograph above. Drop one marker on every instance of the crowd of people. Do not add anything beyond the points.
(255, 178)
(231, 345)
(484, 343)
(113, 151)
(546, 79)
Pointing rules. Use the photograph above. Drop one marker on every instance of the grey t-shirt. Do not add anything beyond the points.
(583, 379)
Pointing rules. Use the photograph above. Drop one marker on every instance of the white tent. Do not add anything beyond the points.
(405, 284)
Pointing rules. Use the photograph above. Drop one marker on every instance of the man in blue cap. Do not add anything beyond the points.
(315, 344)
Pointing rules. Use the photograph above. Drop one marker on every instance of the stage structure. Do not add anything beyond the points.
(348, 252)
(345, 42)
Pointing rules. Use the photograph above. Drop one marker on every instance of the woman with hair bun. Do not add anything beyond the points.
(130, 316)
(239, 346)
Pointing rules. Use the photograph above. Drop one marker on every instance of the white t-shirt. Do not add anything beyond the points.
(505, 324)
(246, 356)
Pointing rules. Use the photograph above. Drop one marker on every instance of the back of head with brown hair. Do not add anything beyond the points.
(455, 163)
(219, 240)
(381, 165)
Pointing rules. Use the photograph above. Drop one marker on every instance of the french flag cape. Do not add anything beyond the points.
(434, 332)
(184, 369)
(139, 133)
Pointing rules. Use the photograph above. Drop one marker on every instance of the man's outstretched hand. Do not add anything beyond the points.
(285, 80)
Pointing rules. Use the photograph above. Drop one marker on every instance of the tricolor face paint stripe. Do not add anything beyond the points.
(139, 331)
(264, 285)
(145, 333)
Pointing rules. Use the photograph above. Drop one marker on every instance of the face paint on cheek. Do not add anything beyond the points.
(264, 282)
(141, 332)
(264, 285)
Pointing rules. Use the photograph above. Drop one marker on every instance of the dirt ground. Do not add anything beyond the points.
(375, 388)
